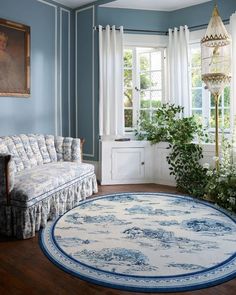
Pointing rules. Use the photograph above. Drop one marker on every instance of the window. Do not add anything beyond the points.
(202, 103)
(143, 83)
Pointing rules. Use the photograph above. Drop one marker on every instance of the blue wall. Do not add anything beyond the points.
(200, 14)
(85, 79)
(133, 19)
(46, 110)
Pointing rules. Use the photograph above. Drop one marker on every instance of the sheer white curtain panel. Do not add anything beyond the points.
(178, 68)
(111, 110)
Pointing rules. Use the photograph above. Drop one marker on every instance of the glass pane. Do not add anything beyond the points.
(154, 113)
(144, 60)
(128, 78)
(145, 99)
(220, 102)
(128, 118)
(128, 98)
(156, 97)
(144, 115)
(226, 119)
(156, 60)
(196, 78)
(220, 119)
(196, 57)
(212, 119)
(198, 115)
(227, 96)
(197, 98)
(213, 101)
(145, 81)
(156, 80)
(128, 58)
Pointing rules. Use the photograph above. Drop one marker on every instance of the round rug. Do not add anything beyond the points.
(144, 242)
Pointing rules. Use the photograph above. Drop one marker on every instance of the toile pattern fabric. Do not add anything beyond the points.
(145, 242)
(46, 179)
(35, 184)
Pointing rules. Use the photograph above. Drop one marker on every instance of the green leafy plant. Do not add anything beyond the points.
(168, 125)
(221, 185)
(184, 158)
(189, 174)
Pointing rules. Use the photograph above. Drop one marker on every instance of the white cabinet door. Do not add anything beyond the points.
(128, 164)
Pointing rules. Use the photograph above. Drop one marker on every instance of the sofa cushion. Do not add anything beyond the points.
(50, 143)
(35, 184)
(28, 149)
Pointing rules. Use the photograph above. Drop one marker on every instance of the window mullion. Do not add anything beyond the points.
(163, 76)
(136, 86)
(150, 87)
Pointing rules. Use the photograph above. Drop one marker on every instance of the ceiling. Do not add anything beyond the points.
(162, 5)
(74, 3)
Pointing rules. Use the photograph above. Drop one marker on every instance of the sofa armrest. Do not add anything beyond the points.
(6, 177)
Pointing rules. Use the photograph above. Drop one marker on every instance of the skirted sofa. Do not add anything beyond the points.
(41, 177)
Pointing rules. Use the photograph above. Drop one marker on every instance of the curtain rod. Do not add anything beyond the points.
(225, 21)
(135, 30)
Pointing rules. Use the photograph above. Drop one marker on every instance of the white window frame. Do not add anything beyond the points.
(150, 41)
(136, 82)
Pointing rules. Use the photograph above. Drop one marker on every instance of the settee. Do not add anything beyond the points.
(41, 177)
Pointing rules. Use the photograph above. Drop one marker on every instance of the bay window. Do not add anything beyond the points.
(145, 84)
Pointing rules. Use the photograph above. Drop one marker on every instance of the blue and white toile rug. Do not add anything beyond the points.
(144, 242)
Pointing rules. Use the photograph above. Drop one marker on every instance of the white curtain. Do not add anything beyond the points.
(178, 68)
(111, 111)
(233, 81)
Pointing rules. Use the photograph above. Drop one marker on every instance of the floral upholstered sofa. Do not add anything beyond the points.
(41, 177)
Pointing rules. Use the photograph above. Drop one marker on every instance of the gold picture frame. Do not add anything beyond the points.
(14, 59)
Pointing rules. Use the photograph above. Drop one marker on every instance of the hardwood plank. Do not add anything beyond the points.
(24, 269)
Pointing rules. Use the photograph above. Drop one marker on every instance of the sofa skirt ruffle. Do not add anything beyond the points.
(22, 223)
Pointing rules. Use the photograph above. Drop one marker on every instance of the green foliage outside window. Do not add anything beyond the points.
(150, 97)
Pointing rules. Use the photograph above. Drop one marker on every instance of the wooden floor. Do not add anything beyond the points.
(25, 270)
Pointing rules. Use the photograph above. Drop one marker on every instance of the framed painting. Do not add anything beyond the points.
(14, 59)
